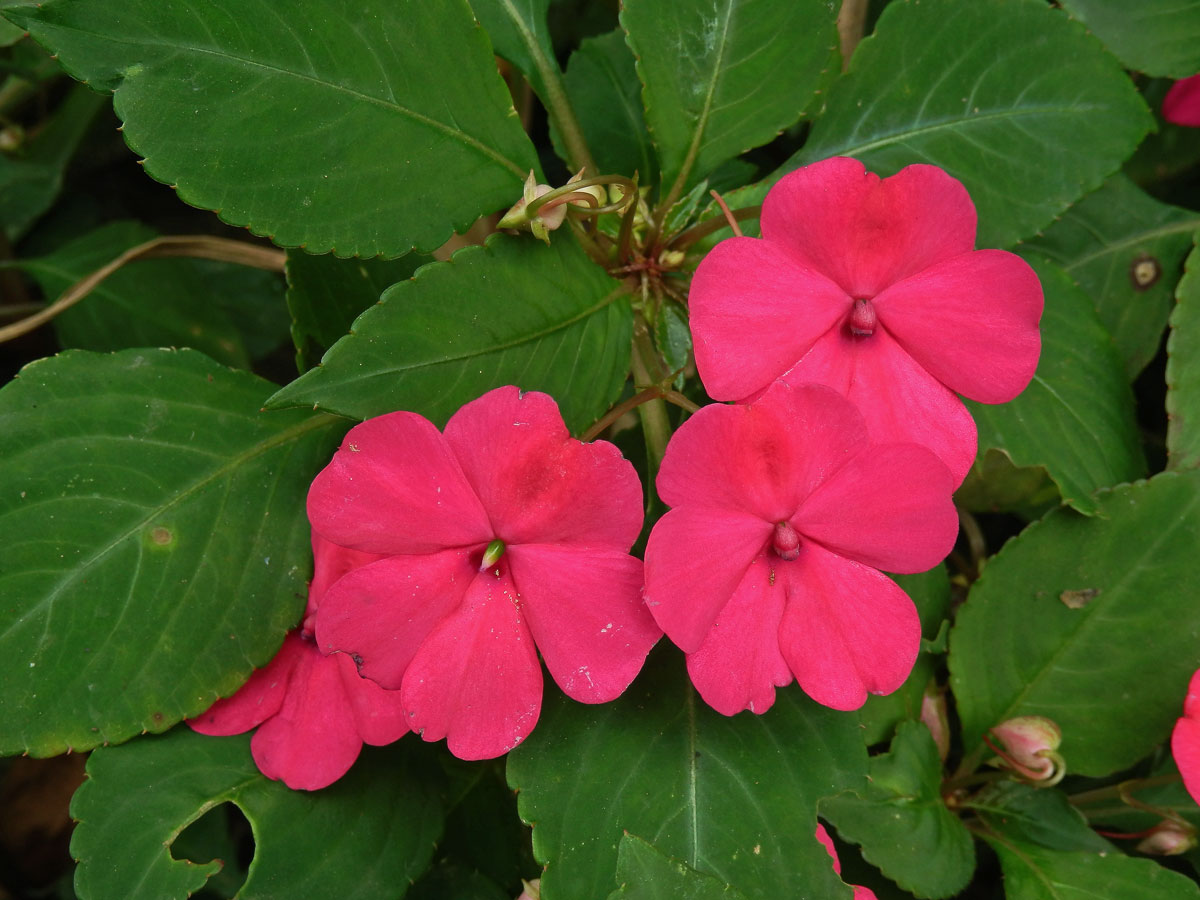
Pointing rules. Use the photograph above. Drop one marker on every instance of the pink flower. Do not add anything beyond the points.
(1185, 739)
(860, 892)
(1182, 103)
(872, 287)
(313, 712)
(767, 565)
(503, 536)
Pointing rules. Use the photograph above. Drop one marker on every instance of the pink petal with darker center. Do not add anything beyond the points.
(754, 311)
(889, 507)
(763, 458)
(971, 322)
(585, 610)
(476, 680)
(259, 698)
(695, 559)
(738, 666)
(538, 484)
(900, 401)
(311, 741)
(847, 630)
(381, 613)
(866, 233)
(393, 487)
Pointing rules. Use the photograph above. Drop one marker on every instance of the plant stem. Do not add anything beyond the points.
(646, 373)
(1121, 789)
(558, 105)
(851, 22)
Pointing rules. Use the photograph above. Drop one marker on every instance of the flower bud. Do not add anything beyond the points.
(542, 222)
(533, 889)
(1168, 838)
(933, 715)
(1030, 748)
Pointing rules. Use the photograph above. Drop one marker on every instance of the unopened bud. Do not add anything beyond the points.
(533, 889)
(1168, 838)
(785, 541)
(671, 259)
(862, 318)
(494, 551)
(543, 221)
(933, 715)
(1031, 748)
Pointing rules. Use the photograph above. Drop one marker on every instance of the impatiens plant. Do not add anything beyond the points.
(354, 464)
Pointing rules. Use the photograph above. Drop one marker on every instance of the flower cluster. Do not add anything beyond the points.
(447, 561)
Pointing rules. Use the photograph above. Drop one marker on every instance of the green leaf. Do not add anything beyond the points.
(645, 873)
(722, 76)
(511, 312)
(1126, 251)
(326, 294)
(155, 542)
(327, 128)
(734, 798)
(1183, 370)
(1059, 625)
(1008, 96)
(31, 179)
(1076, 419)
(902, 824)
(253, 299)
(1157, 37)
(367, 836)
(1043, 816)
(602, 84)
(147, 303)
(519, 34)
(1037, 873)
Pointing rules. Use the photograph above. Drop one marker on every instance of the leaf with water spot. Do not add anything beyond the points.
(1111, 672)
(155, 543)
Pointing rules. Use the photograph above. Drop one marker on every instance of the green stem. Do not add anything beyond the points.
(558, 105)
(1124, 788)
(646, 373)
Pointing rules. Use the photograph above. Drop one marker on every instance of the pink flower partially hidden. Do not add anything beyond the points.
(860, 892)
(313, 712)
(503, 536)
(1182, 103)
(767, 566)
(872, 287)
(1185, 739)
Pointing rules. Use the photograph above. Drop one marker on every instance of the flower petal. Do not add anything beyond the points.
(863, 232)
(585, 610)
(695, 560)
(900, 401)
(330, 562)
(476, 679)
(256, 700)
(393, 487)
(846, 629)
(1182, 103)
(1185, 739)
(382, 612)
(971, 322)
(739, 664)
(754, 311)
(312, 741)
(889, 507)
(537, 483)
(762, 458)
(379, 716)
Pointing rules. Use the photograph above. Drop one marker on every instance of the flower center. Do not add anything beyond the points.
(494, 551)
(862, 318)
(785, 542)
